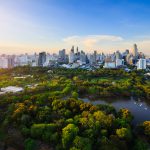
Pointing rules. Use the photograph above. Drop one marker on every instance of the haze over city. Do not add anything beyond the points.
(29, 26)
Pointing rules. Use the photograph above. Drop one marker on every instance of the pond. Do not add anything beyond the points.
(140, 109)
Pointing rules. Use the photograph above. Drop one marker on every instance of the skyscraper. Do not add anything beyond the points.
(135, 51)
(83, 57)
(141, 64)
(72, 55)
(62, 55)
(72, 49)
(42, 59)
(118, 55)
(95, 57)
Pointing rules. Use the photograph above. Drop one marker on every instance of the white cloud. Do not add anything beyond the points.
(90, 41)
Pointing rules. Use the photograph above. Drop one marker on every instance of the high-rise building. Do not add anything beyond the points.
(135, 51)
(10, 62)
(130, 59)
(72, 55)
(83, 57)
(119, 62)
(22, 60)
(3, 62)
(95, 57)
(62, 56)
(141, 64)
(109, 63)
(72, 49)
(77, 49)
(118, 55)
(42, 59)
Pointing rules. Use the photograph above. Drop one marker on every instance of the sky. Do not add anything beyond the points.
(28, 26)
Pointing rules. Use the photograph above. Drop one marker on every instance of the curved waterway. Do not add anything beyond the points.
(139, 108)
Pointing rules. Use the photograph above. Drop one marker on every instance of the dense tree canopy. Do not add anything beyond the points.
(49, 112)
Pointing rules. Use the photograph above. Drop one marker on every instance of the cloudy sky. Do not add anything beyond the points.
(36, 25)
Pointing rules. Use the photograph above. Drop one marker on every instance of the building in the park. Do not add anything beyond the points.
(12, 89)
(141, 64)
(42, 59)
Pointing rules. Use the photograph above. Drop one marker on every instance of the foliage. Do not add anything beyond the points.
(68, 134)
(30, 144)
(123, 133)
(50, 111)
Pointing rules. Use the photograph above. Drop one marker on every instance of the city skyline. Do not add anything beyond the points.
(31, 26)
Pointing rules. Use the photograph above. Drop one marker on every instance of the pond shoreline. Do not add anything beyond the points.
(138, 107)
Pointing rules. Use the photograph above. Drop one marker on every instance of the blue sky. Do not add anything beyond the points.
(104, 25)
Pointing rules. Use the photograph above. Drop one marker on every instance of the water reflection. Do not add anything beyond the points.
(138, 107)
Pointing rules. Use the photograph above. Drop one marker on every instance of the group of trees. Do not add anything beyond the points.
(51, 113)
(71, 124)
(96, 84)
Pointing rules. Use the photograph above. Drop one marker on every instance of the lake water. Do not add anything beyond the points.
(139, 108)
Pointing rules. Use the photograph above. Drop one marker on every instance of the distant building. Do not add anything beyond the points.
(72, 55)
(42, 59)
(91, 59)
(34, 60)
(109, 63)
(135, 52)
(119, 62)
(141, 64)
(22, 60)
(148, 62)
(3, 62)
(101, 58)
(130, 59)
(141, 55)
(82, 58)
(95, 57)
(118, 55)
(62, 56)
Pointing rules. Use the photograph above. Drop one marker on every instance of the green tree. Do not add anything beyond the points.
(30, 144)
(68, 134)
(82, 143)
(140, 145)
(146, 126)
(75, 95)
(123, 133)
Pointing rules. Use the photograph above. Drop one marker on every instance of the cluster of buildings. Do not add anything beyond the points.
(77, 58)
(114, 60)
(41, 59)
(133, 57)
